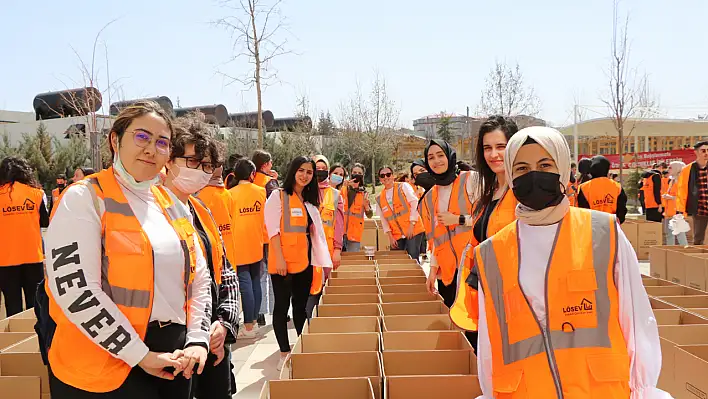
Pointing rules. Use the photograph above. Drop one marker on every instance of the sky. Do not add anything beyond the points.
(434, 55)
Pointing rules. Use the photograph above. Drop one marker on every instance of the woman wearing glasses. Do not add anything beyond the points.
(127, 282)
(398, 207)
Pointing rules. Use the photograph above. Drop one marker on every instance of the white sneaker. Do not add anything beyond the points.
(281, 363)
(245, 334)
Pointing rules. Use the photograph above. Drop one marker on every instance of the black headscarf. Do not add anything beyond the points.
(444, 179)
(600, 166)
(584, 170)
(418, 162)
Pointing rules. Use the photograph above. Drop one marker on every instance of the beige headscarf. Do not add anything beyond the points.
(675, 168)
(552, 141)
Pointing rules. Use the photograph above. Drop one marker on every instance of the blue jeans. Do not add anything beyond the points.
(351, 246)
(671, 238)
(267, 295)
(249, 280)
(411, 245)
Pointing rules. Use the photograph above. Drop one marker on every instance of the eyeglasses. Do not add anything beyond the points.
(194, 163)
(142, 139)
(385, 175)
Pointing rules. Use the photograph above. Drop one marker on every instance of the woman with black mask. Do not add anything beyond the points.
(445, 211)
(356, 206)
(421, 176)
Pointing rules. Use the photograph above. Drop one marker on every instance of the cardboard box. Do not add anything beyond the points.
(418, 297)
(434, 322)
(24, 364)
(402, 280)
(28, 345)
(396, 261)
(425, 341)
(348, 299)
(341, 388)
(429, 386)
(658, 304)
(369, 239)
(399, 267)
(697, 271)
(344, 269)
(629, 227)
(394, 253)
(404, 289)
(410, 272)
(352, 289)
(688, 301)
(657, 262)
(442, 362)
(25, 314)
(649, 234)
(691, 369)
(8, 339)
(335, 365)
(347, 342)
(351, 281)
(351, 275)
(676, 263)
(17, 325)
(675, 290)
(670, 337)
(348, 310)
(355, 262)
(656, 282)
(413, 308)
(339, 325)
(700, 312)
(672, 317)
(384, 244)
(26, 387)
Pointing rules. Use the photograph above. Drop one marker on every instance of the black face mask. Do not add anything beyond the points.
(61, 186)
(321, 175)
(358, 179)
(538, 190)
(425, 180)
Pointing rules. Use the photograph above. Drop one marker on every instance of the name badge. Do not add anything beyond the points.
(296, 212)
(385, 209)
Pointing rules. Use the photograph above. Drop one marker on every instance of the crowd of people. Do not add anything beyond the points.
(155, 265)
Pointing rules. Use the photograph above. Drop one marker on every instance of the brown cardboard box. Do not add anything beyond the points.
(17, 325)
(369, 239)
(355, 262)
(676, 290)
(691, 369)
(433, 322)
(361, 267)
(351, 275)
(24, 364)
(413, 308)
(697, 271)
(429, 386)
(339, 325)
(410, 272)
(676, 263)
(347, 342)
(352, 289)
(440, 362)
(649, 233)
(340, 388)
(629, 227)
(659, 304)
(402, 280)
(656, 282)
(399, 267)
(348, 299)
(335, 365)
(384, 244)
(26, 387)
(672, 317)
(670, 337)
(424, 341)
(404, 289)
(394, 253)
(657, 261)
(29, 345)
(8, 339)
(348, 310)
(418, 297)
(700, 312)
(25, 314)
(688, 301)
(351, 281)
(396, 261)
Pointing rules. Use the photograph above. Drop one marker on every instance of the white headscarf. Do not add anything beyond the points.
(675, 168)
(552, 141)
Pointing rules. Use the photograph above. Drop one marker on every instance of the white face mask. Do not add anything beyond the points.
(190, 181)
(336, 179)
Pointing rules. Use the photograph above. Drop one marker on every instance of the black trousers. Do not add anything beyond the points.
(291, 286)
(699, 229)
(139, 384)
(215, 381)
(16, 279)
(653, 215)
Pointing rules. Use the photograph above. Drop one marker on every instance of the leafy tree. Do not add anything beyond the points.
(325, 125)
(444, 128)
(6, 148)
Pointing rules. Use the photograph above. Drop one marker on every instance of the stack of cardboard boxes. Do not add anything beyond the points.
(643, 235)
(377, 333)
(681, 265)
(22, 373)
(682, 315)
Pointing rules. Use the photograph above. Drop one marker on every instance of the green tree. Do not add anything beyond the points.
(6, 147)
(444, 127)
(70, 155)
(325, 125)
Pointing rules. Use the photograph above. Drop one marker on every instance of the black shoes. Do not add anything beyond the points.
(261, 320)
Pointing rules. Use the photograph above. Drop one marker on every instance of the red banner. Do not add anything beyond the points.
(645, 160)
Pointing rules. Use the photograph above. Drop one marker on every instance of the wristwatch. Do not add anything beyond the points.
(462, 220)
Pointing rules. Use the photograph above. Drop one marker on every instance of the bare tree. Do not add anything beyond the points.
(506, 93)
(255, 29)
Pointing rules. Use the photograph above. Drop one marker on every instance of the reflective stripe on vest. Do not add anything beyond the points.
(287, 224)
(404, 205)
(461, 199)
(348, 214)
(579, 337)
(335, 201)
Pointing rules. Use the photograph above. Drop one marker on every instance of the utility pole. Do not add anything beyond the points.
(469, 133)
(575, 133)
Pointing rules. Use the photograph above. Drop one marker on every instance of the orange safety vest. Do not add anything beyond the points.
(398, 214)
(353, 215)
(248, 218)
(262, 179)
(448, 242)
(572, 193)
(211, 228)
(55, 195)
(648, 189)
(128, 279)
(220, 204)
(293, 235)
(580, 351)
(20, 233)
(602, 194)
(670, 204)
(465, 311)
(328, 212)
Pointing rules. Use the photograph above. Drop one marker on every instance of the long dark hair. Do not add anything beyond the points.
(311, 192)
(487, 175)
(17, 170)
(243, 170)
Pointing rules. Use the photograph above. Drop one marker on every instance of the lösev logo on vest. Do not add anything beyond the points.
(584, 307)
(27, 206)
(252, 209)
(225, 227)
(609, 199)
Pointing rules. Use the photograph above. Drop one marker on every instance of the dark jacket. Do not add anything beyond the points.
(693, 191)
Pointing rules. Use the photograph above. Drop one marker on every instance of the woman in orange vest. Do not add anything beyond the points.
(127, 306)
(337, 175)
(668, 200)
(602, 193)
(397, 205)
(445, 211)
(563, 311)
(297, 245)
(248, 210)
(651, 187)
(22, 214)
(356, 207)
(494, 209)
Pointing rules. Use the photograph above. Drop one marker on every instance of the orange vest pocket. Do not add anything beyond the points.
(610, 375)
(508, 384)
